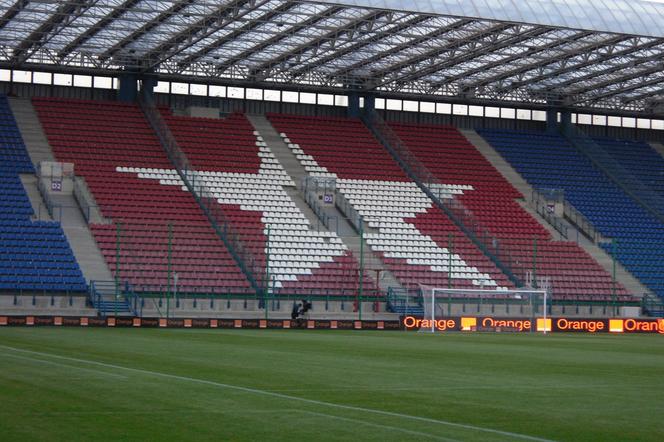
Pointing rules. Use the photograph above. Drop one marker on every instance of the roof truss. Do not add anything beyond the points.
(412, 52)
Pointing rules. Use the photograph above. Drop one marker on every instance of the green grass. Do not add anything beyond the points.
(149, 384)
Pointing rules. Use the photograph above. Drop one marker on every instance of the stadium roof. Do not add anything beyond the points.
(600, 55)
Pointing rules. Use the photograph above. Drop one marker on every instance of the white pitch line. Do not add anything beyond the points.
(287, 397)
(381, 426)
(104, 373)
(230, 412)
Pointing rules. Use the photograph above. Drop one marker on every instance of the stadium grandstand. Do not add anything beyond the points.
(231, 159)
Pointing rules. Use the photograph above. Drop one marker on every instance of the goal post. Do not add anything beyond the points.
(433, 299)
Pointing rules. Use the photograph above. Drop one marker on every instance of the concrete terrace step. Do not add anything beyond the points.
(30, 184)
(31, 130)
(598, 254)
(343, 228)
(659, 147)
(510, 174)
(78, 234)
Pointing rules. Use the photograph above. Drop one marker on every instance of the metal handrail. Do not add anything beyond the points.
(579, 220)
(312, 201)
(462, 216)
(86, 200)
(250, 266)
(350, 212)
(539, 200)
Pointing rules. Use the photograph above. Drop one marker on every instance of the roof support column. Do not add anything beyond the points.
(552, 120)
(148, 83)
(565, 119)
(556, 117)
(353, 105)
(369, 103)
(128, 87)
(354, 109)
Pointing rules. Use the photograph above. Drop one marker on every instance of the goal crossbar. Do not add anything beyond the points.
(430, 294)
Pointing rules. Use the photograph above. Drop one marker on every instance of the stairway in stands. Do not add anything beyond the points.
(548, 161)
(573, 274)
(624, 277)
(158, 231)
(417, 242)
(376, 269)
(67, 209)
(251, 185)
(35, 256)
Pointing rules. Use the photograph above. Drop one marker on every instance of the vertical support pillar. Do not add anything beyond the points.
(565, 119)
(552, 124)
(118, 231)
(361, 282)
(267, 273)
(535, 262)
(148, 83)
(353, 105)
(613, 276)
(450, 250)
(369, 103)
(168, 278)
(128, 87)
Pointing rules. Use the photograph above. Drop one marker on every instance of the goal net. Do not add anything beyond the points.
(435, 300)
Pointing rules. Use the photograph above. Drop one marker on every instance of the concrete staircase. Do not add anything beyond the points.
(622, 275)
(31, 186)
(344, 229)
(31, 130)
(80, 238)
(506, 169)
(659, 147)
(66, 209)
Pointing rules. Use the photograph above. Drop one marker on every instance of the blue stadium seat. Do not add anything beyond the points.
(549, 161)
(34, 255)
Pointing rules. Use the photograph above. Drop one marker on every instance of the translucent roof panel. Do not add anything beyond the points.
(637, 17)
(591, 54)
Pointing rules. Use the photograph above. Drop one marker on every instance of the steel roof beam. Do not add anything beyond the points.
(211, 23)
(12, 12)
(247, 27)
(509, 59)
(65, 13)
(149, 26)
(436, 67)
(621, 90)
(510, 73)
(650, 94)
(318, 41)
(610, 70)
(567, 68)
(311, 21)
(403, 46)
(514, 101)
(621, 79)
(97, 27)
(375, 38)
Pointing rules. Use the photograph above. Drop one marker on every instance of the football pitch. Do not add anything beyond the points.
(254, 385)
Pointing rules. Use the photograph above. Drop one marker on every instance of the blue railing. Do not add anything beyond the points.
(110, 298)
(405, 302)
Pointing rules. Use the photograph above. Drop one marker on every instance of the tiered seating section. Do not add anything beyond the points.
(549, 161)
(573, 274)
(113, 147)
(239, 168)
(34, 255)
(639, 158)
(409, 233)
